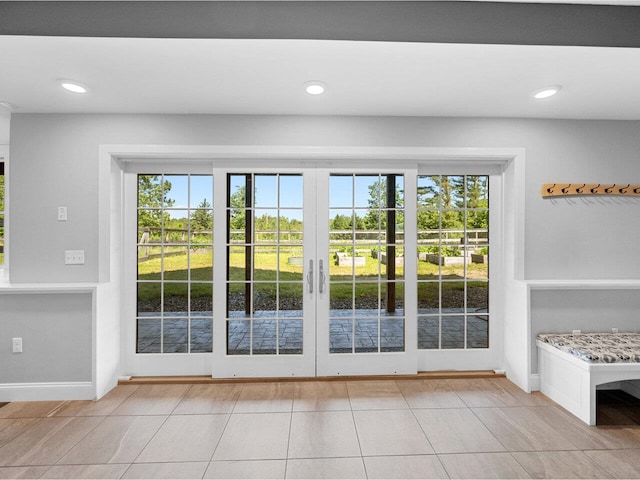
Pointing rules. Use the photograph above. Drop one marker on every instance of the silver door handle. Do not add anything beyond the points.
(310, 276)
(321, 276)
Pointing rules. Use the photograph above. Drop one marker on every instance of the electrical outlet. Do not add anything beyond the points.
(577, 332)
(614, 330)
(74, 257)
(62, 214)
(17, 344)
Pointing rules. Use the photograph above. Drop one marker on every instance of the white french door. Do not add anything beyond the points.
(307, 288)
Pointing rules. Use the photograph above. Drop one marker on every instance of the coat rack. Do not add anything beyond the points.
(550, 190)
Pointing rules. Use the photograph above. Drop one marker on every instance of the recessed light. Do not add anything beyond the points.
(315, 88)
(72, 86)
(546, 92)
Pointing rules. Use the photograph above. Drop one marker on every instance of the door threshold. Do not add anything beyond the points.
(200, 379)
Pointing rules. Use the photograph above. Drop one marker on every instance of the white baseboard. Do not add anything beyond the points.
(27, 392)
(534, 382)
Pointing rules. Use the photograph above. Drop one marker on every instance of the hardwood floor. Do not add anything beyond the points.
(392, 428)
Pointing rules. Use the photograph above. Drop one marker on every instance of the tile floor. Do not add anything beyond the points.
(479, 428)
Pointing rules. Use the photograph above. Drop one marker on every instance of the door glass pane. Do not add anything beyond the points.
(175, 263)
(290, 334)
(341, 191)
(176, 191)
(265, 276)
(292, 185)
(366, 256)
(392, 334)
(149, 335)
(341, 333)
(201, 334)
(174, 335)
(238, 337)
(429, 332)
(201, 263)
(264, 336)
(453, 261)
(453, 331)
(367, 331)
(265, 191)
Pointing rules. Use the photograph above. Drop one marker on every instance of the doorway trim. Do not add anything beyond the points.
(509, 161)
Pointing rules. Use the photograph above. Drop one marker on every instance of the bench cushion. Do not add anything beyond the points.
(597, 347)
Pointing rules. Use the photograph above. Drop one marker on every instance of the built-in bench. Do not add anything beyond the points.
(572, 366)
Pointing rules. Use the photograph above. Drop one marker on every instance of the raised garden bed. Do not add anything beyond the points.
(344, 260)
(445, 261)
(297, 261)
(383, 259)
(477, 258)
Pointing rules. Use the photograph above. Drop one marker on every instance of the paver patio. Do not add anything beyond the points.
(349, 330)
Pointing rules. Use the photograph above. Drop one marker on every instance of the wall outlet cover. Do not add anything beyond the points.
(74, 257)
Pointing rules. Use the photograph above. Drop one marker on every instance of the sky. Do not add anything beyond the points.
(345, 192)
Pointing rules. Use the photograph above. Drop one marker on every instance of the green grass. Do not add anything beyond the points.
(291, 277)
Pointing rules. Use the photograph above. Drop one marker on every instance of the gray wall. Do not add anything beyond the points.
(5, 121)
(56, 337)
(562, 311)
(54, 163)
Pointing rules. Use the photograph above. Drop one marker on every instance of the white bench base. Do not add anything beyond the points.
(572, 383)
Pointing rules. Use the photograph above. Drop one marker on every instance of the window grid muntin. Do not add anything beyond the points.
(162, 245)
(440, 206)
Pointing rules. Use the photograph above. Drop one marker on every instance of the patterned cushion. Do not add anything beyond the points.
(597, 347)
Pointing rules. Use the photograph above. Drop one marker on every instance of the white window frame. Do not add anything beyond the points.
(509, 161)
(4, 267)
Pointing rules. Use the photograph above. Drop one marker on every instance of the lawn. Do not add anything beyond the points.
(273, 273)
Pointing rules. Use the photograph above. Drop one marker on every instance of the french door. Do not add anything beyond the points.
(308, 286)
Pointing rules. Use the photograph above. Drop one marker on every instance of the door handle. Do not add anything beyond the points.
(321, 276)
(310, 276)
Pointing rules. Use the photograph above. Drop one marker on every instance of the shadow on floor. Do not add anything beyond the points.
(617, 408)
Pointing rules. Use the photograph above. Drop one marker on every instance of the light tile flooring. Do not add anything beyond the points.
(478, 428)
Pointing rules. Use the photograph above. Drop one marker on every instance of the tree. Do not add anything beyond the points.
(152, 196)
(477, 192)
(375, 219)
(202, 219)
(444, 193)
(237, 202)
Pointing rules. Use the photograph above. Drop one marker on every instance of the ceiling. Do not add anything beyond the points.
(370, 76)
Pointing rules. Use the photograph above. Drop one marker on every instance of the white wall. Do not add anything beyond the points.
(54, 163)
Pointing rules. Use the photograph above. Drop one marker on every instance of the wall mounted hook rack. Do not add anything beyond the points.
(550, 190)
